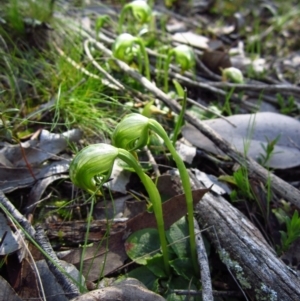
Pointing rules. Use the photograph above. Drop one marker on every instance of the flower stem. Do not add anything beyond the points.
(166, 71)
(157, 128)
(145, 55)
(122, 18)
(155, 200)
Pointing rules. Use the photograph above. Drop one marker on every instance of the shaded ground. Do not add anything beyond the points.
(61, 90)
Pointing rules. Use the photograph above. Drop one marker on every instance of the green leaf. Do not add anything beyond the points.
(142, 245)
(144, 275)
(178, 87)
(177, 237)
(156, 265)
(147, 112)
(183, 267)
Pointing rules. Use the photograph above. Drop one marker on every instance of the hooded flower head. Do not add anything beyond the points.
(132, 132)
(92, 166)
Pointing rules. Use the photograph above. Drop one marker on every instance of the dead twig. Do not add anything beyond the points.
(207, 294)
(68, 286)
(152, 161)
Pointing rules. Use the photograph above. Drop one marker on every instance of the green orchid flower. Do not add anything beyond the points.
(184, 57)
(132, 133)
(92, 167)
(127, 46)
(140, 10)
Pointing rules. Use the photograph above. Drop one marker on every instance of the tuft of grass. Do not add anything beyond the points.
(47, 89)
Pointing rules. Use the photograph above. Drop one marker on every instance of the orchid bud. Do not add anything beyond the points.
(92, 166)
(233, 75)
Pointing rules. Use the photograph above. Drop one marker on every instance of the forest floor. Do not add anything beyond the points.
(229, 100)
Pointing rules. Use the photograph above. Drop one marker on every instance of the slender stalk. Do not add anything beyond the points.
(166, 71)
(155, 200)
(157, 128)
(145, 55)
(122, 18)
(179, 122)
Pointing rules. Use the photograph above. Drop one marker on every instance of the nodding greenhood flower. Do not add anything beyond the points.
(233, 74)
(132, 133)
(126, 46)
(92, 167)
(184, 57)
(140, 10)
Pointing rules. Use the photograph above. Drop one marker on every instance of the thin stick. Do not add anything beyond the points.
(152, 161)
(68, 286)
(207, 294)
(106, 74)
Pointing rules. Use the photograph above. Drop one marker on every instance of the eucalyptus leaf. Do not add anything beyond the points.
(255, 130)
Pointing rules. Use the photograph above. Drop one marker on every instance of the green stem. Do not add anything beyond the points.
(122, 18)
(166, 72)
(157, 128)
(180, 119)
(155, 200)
(145, 55)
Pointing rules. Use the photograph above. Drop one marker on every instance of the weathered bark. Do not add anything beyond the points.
(245, 252)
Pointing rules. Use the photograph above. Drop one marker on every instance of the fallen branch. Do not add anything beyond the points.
(207, 294)
(245, 252)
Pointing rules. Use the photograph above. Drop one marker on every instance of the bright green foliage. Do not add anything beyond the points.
(269, 150)
(287, 106)
(292, 231)
(127, 46)
(5, 131)
(100, 21)
(142, 247)
(241, 181)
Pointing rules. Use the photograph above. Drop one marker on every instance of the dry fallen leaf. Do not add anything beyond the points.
(254, 129)
(21, 164)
